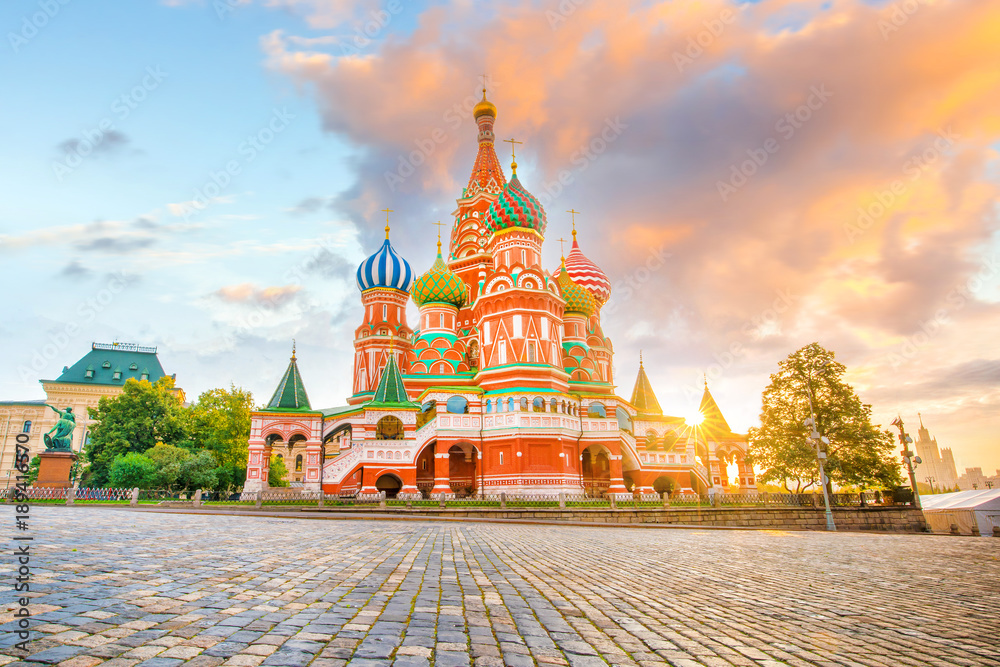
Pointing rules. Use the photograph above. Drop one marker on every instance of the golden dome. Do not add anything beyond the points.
(484, 108)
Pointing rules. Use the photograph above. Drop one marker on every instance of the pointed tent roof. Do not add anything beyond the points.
(713, 422)
(291, 393)
(643, 397)
(391, 390)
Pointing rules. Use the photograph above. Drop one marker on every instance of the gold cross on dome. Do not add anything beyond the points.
(484, 82)
(387, 211)
(573, 213)
(561, 249)
(512, 142)
(439, 225)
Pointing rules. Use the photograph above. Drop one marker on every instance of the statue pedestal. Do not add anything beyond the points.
(53, 470)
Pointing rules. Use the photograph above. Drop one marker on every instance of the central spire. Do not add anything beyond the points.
(487, 174)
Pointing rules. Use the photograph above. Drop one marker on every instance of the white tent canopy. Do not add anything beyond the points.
(966, 509)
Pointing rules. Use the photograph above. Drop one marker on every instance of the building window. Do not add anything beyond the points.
(441, 320)
(399, 315)
(517, 326)
(145, 374)
(524, 257)
(385, 311)
(538, 405)
(502, 353)
(506, 257)
(486, 333)
(489, 407)
(89, 374)
(117, 375)
(510, 404)
(596, 410)
(133, 366)
(545, 328)
(524, 404)
(501, 458)
(106, 364)
(531, 352)
(457, 405)
(423, 464)
(26, 428)
(298, 463)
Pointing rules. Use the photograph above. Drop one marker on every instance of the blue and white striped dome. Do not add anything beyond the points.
(385, 269)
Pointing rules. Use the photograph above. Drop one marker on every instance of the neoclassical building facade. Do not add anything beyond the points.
(503, 384)
(102, 371)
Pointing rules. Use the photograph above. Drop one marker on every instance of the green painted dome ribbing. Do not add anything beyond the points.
(578, 299)
(515, 207)
(440, 285)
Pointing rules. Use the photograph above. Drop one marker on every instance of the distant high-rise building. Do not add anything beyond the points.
(975, 478)
(936, 465)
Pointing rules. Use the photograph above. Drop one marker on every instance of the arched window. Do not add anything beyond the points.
(624, 420)
(489, 407)
(458, 405)
(596, 410)
(524, 404)
(298, 463)
(389, 428)
(553, 405)
(510, 404)
(26, 428)
(538, 404)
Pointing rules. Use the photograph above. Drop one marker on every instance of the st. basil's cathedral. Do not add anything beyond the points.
(505, 385)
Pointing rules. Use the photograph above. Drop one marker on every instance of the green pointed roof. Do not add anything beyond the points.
(391, 390)
(712, 420)
(291, 393)
(643, 397)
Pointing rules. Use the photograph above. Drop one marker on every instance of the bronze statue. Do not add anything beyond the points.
(62, 440)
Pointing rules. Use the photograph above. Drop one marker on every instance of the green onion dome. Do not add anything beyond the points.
(440, 285)
(515, 207)
(579, 300)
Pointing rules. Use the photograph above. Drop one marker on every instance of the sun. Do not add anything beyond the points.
(694, 419)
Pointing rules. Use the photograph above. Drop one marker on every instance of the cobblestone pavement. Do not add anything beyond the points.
(119, 588)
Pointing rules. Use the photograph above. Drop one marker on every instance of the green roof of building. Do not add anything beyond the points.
(112, 364)
(291, 393)
(643, 398)
(391, 390)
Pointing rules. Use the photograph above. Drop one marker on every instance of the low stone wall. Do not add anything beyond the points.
(882, 519)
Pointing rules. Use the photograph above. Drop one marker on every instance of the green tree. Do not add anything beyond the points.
(198, 472)
(136, 420)
(859, 454)
(221, 424)
(32, 475)
(168, 460)
(132, 470)
(277, 472)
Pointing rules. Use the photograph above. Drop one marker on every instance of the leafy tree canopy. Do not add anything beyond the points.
(132, 470)
(136, 420)
(859, 454)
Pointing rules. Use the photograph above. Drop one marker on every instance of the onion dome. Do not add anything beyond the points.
(484, 108)
(579, 300)
(584, 272)
(385, 269)
(515, 207)
(440, 285)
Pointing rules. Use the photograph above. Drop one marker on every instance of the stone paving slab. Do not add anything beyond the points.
(120, 589)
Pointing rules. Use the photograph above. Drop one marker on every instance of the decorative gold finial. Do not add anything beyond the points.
(561, 249)
(705, 378)
(574, 213)
(439, 224)
(387, 211)
(513, 159)
(640, 358)
(293, 349)
(484, 85)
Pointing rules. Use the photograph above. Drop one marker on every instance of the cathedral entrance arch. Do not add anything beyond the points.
(389, 484)
(462, 468)
(389, 428)
(596, 470)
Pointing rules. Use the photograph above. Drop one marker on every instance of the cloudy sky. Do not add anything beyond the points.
(205, 176)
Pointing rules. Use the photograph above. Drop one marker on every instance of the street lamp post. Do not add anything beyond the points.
(818, 441)
(909, 458)
(930, 481)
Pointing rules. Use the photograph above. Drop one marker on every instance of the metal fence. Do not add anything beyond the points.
(299, 497)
